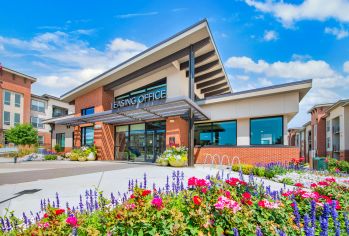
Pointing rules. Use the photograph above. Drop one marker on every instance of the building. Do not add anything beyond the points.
(337, 130)
(46, 107)
(15, 90)
(177, 93)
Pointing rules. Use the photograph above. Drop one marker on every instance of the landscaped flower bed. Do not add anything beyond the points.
(210, 206)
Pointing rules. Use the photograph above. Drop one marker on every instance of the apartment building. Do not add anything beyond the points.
(337, 130)
(15, 97)
(327, 134)
(47, 107)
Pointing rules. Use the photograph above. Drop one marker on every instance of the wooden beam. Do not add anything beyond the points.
(213, 88)
(210, 82)
(207, 75)
(217, 92)
(203, 57)
(162, 62)
(205, 67)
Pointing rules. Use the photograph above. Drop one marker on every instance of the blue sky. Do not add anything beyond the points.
(262, 43)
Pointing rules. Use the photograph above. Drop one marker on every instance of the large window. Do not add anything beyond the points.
(7, 98)
(41, 140)
(87, 111)
(60, 139)
(215, 133)
(59, 111)
(87, 136)
(36, 122)
(7, 120)
(266, 131)
(17, 100)
(17, 118)
(37, 106)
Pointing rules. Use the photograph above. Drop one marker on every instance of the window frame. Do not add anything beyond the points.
(37, 108)
(61, 135)
(20, 98)
(266, 117)
(83, 111)
(37, 126)
(14, 118)
(9, 102)
(43, 140)
(63, 111)
(211, 132)
(83, 135)
(9, 118)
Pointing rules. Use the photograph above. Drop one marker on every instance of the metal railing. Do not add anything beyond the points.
(212, 159)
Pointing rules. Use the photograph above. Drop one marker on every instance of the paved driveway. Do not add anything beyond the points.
(24, 185)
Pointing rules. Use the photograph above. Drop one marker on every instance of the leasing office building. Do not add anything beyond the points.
(177, 93)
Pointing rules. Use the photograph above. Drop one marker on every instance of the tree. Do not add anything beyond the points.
(22, 134)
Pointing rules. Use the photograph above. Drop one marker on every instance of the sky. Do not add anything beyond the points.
(261, 43)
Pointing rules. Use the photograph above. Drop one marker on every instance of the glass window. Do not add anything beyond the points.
(36, 122)
(60, 139)
(216, 133)
(7, 120)
(266, 131)
(38, 106)
(17, 118)
(41, 140)
(87, 136)
(88, 111)
(7, 98)
(59, 111)
(17, 100)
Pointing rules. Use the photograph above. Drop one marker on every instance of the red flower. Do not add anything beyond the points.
(227, 194)
(192, 181)
(299, 185)
(330, 180)
(292, 205)
(132, 196)
(246, 195)
(323, 183)
(313, 185)
(261, 203)
(197, 200)
(45, 215)
(59, 211)
(204, 190)
(145, 192)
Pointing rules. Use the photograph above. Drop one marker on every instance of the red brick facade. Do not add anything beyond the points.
(317, 118)
(18, 84)
(177, 129)
(47, 139)
(248, 155)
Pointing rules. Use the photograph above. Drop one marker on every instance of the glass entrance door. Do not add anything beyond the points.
(140, 142)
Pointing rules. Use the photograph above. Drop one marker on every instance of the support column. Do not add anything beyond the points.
(191, 112)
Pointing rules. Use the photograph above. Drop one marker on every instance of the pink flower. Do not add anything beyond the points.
(330, 180)
(299, 185)
(130, 206)
(44, 225)
(313, 185)
(195, 182)
(227, 194)
(224, 202)
(72, 221)
(266, 204)
(157, 202)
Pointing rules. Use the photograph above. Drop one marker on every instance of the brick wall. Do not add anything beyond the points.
(317, 118)
(249, 155)
(47, 139)
(16, 84)
(103, 135)
(178, 128)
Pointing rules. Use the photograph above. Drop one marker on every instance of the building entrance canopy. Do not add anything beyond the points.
(142, 112)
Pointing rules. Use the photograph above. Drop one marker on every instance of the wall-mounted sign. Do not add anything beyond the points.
(156, 94)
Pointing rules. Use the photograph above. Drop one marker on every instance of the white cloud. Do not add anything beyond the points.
(264, 82)
(346, 67)
(270, 35)
(339, 33)
(289, 70)
(131, 15)
(289, 13)
(300, 57)
(65, 60)
(241, 77)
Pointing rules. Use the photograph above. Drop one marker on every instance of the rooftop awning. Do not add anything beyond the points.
(178, 106)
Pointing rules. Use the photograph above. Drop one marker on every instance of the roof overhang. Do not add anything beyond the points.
(300, 86)
(159, 109)
(208, 66)
(32, 79)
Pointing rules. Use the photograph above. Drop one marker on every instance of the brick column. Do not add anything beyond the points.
(177, 129)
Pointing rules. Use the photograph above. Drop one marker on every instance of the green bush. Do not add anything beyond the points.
(259, 171)
(245, 168)
(50, 157)
(58, 148)
(22, 134)
(334, 165)
(287, 181)
(77, 154)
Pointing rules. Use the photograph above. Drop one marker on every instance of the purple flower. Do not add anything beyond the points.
(323, 226)
(346, 221)
(334, 215)
(57, 200)
(296, 214)
(81, 205)
(313, 213)
(145, 180)
(259, 232)
(236, 232)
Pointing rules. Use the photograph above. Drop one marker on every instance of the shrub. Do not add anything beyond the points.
(245, 168)
(22, 134)
(50, 157)
(24, 150)
(259, 171)
(58, 148)
(335, 165)
(76, 154)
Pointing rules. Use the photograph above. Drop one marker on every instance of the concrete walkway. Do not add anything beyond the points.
(107, 176)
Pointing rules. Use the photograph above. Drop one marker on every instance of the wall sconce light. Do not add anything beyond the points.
(171, 121)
